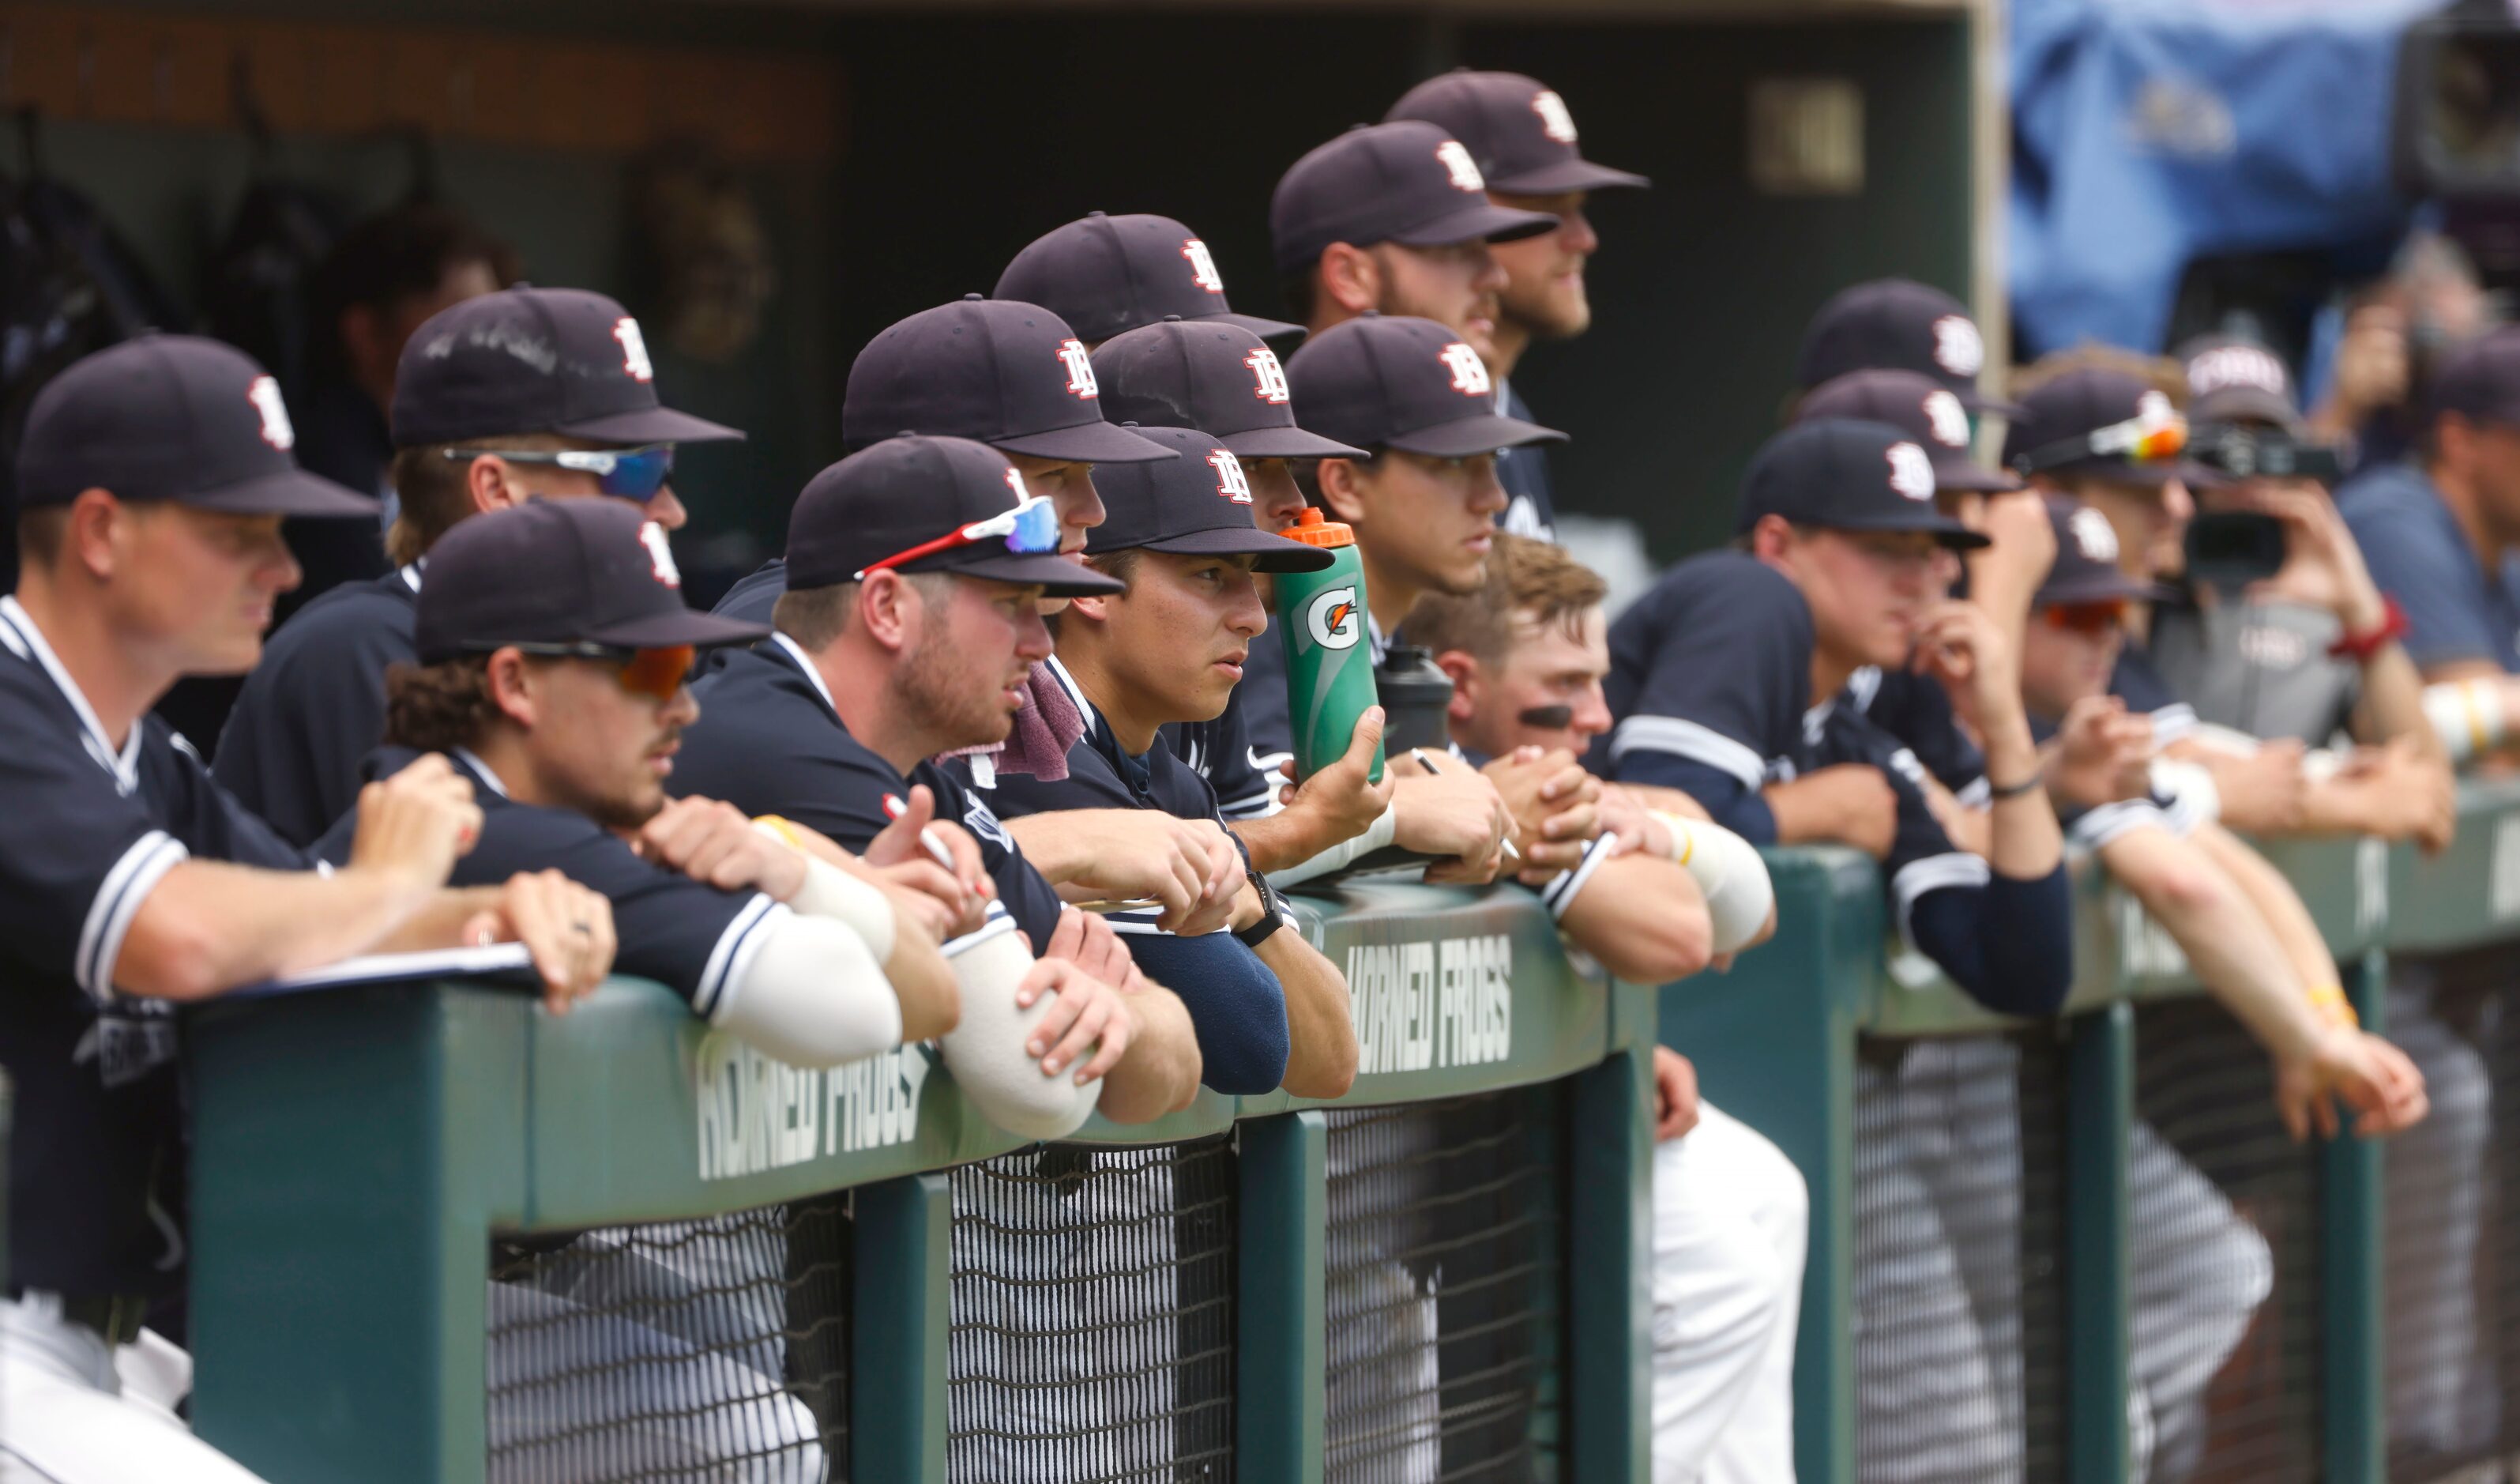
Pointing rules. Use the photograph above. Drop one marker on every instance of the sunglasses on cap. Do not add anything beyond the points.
(656, 673)
(2088, 619)
(1030, 529)
(2141, 440)
(629, 473)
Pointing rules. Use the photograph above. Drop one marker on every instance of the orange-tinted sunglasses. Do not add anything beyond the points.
(2088, 619)
(657, 673)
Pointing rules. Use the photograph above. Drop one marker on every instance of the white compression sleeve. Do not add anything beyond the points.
(1729, 874)
(813, 995)
(986, 1050)
(830, 893)
(2466, 715)
(1376, 836)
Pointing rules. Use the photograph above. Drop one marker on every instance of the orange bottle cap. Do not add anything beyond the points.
(1312, 531)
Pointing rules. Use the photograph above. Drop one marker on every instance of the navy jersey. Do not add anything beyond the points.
(753, 596)
(769, 741)
(1530, 510)
(1236, 1003)
(1244, 781)
(687, 936)
(1917, 711)
(96, 1159)
(1921, 856)
(315, 706)
(2457, 607)
(1710, 675)
(2136, 683)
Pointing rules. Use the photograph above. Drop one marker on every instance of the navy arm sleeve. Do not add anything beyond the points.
(1730, 802)
(1236, 1003)
(1710, 670)
(2009, 943)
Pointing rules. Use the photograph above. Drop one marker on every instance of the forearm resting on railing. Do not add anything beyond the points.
(2235, 954)
(207, 926)
(1160, 1073)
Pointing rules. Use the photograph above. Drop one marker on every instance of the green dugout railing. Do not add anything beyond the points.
(355, 1152)
(1777, 1044)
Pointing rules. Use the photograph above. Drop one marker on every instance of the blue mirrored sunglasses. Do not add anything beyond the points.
(631, 473)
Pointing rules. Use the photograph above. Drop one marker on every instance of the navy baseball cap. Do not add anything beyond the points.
(907, 491)
(2231, 379)
(1197, 504)
(2086, 569)
(535, 360)
(2058, 413)
(1109, 274)
(1398, 382)
(171, 416)
(2480, 381)
(1216, 378)
(592, 572)
(1006, 374)
(1517, 131)
(1406, 182)
(1924, 409)
(1841, 474)
(1902, 324)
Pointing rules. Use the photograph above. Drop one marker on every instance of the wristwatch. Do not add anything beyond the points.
(1271, 912)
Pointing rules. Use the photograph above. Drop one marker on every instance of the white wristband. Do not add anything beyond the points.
(830, 893)
(1377, 834)
(2466, 715)
(1729, 872)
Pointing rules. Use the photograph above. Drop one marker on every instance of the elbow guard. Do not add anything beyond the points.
(987, 1050)
(812, 996)
(1729, 874)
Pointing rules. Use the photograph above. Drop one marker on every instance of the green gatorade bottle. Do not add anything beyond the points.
(1322, 619)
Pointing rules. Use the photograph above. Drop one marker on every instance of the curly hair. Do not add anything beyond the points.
(438, 707)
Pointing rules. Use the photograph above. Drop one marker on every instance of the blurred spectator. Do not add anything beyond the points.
(2395, 332)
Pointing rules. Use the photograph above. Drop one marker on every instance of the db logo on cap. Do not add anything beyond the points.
(265, 394)
(1080, 370)
(1957, 346)
(2093, 535)
(634, 350)
(1268, 377)
(1949, 420)
(1231, 483)
(1470, 373)
(1203, 268)
(1554, 121)
(660, 557)
(1459, 166)
(1912, 474)
(1332, 619)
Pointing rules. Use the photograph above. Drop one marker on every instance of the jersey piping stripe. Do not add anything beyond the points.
(118, 901)
(2171, 722)
(1863, 686)
(1565, 887)
(2101, 825)
(1690, 740)
(732, 955)
(1935, 872)
(997, 923)
(124, 766)
(1977, 795)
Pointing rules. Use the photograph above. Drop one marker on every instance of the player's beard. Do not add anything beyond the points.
(938, 692)
(1549, 312)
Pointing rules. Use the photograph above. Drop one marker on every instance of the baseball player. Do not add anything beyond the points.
(1168, 647)
(1008, 375)
(1527, 656)
(1109, 275)
(1523, 141)
(152, 478)
(1897, 324)
(908, 632)
(525, 394)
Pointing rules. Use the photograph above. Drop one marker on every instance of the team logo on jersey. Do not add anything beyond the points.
(1230, 482)
(982, 821)
(265, 394)
(2236, 366)
(1459, 167)
(1268, 377)
(634, 350)
(1470, 373)
(1332, 619)
(1912, 474)
(2094, 536)
(1203, 268)
(1080, 370)
(660, 557)
(1554, 121)
(1957, 347)
(1949, 417)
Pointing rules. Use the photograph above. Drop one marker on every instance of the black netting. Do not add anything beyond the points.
(1959, 1344)
(1447, 1230)
(2226, 1321)
(714, 1348)
(1093, 1316)
(2450, 1315)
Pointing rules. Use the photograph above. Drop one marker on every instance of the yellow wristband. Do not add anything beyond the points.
(781, 829)
(2329, 1002)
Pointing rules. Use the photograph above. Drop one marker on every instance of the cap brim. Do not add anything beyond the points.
(654, 424)
(1568, 175)
(1277, 554)
(294, 493)
(1968, 476)
(1095, 443)
(1056, 576)
(1482, 435)
(1942, 529)
(1267, 330)
(1977, 401)
(1476, 222)
(1286, 443)
(697, 627)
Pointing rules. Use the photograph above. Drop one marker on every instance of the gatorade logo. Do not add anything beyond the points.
(1333, 619)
